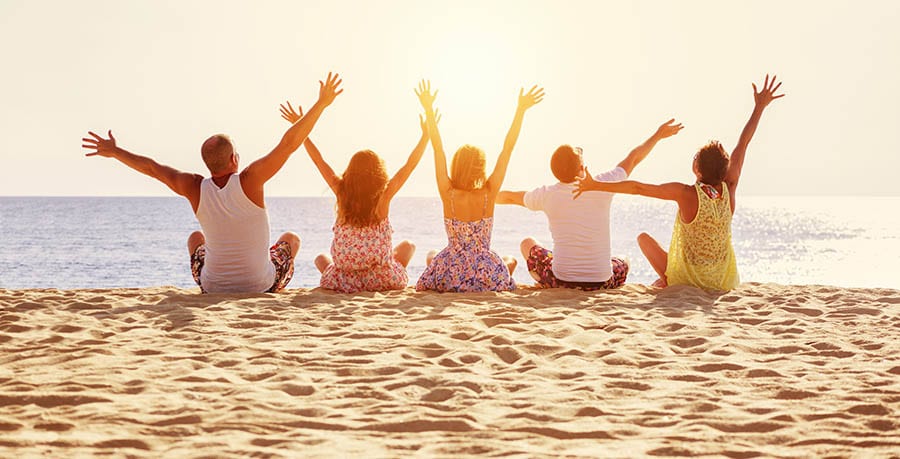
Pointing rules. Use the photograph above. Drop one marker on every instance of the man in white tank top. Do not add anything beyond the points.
(231, 254)
(581, 256)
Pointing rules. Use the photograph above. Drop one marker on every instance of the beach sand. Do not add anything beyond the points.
(763, 371)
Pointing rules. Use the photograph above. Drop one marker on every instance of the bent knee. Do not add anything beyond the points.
(196, 239)
(291, 238)
(526, 245)
(644, 239)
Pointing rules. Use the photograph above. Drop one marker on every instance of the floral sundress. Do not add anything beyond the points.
(467, 264)
(363, 260)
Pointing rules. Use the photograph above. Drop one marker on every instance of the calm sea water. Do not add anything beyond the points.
(88, 242)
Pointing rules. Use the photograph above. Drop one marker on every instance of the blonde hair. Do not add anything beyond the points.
(467, 168)
(216, 152)
(360, 189)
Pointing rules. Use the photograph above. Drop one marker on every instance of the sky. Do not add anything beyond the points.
(165, 75)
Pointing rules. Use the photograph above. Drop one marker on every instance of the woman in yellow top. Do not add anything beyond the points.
(700, 253)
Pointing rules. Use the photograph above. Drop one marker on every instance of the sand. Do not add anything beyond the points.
(763, 371)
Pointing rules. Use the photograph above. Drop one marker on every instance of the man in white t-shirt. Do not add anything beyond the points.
(581, 255)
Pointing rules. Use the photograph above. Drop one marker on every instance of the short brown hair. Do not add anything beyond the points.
(216, 152)
(712, 163)
(566, 163)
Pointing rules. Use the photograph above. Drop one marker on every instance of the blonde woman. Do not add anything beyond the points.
(468, 264)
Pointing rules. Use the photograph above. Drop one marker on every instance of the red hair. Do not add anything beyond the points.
(360, 189)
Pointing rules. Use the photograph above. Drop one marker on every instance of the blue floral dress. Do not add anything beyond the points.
(467, 264)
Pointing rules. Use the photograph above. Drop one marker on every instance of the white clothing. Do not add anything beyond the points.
(237, 240)
(580, 228)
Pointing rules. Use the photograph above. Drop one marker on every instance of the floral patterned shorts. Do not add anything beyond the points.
(281, 257)
(540, 265)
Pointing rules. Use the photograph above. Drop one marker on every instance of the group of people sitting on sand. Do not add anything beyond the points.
(232, 252)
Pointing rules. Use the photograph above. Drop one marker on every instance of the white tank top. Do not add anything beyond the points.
(237, 240)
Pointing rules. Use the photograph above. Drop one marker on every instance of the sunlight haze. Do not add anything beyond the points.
(165, 75)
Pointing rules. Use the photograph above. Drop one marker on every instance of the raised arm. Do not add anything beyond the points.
(761, 101)
(332, 179)
(182, 183)
(260, 171)
(404, 172)
(426, 98)
(669, 191)
(526, 101)
(511, 197)
(667, 129)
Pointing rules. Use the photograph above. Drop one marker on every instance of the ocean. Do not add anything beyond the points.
(108, 242)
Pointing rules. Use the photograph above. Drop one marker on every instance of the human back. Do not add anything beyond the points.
(237, 239)
(580, 229)
(361, 256)
(230, 205)
(468, 196)
(701, 252)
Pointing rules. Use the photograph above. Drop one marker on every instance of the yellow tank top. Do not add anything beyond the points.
(701, 253)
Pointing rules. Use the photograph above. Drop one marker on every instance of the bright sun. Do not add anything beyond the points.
(477, 73)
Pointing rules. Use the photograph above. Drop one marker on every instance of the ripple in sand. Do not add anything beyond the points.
(566, 435)
(688, 342)
(444, 425)
(633, 385)
(50, 401)
(123, 443)
(870, 410)
(883, 425)
(714, 367)
(10, 426)
(754, 427)
(789, 394)
(298, 390)
(763, 373)
(439, 395)
(506, 353)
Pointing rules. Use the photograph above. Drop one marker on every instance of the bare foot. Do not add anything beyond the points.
(659, 283)
(511, 264)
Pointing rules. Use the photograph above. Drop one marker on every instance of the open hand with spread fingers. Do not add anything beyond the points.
(584, 183)
(329, 89)
(668, 129)
(102, 147)
(288, 113)
(426, 97)
(767, 95)
(534, 96)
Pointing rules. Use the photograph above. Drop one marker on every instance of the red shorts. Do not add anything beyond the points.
(281, 257)
(540, 265)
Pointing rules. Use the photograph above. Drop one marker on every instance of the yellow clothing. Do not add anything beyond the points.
(701, 253)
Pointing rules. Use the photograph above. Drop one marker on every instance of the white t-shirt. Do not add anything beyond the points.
(580, 228)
